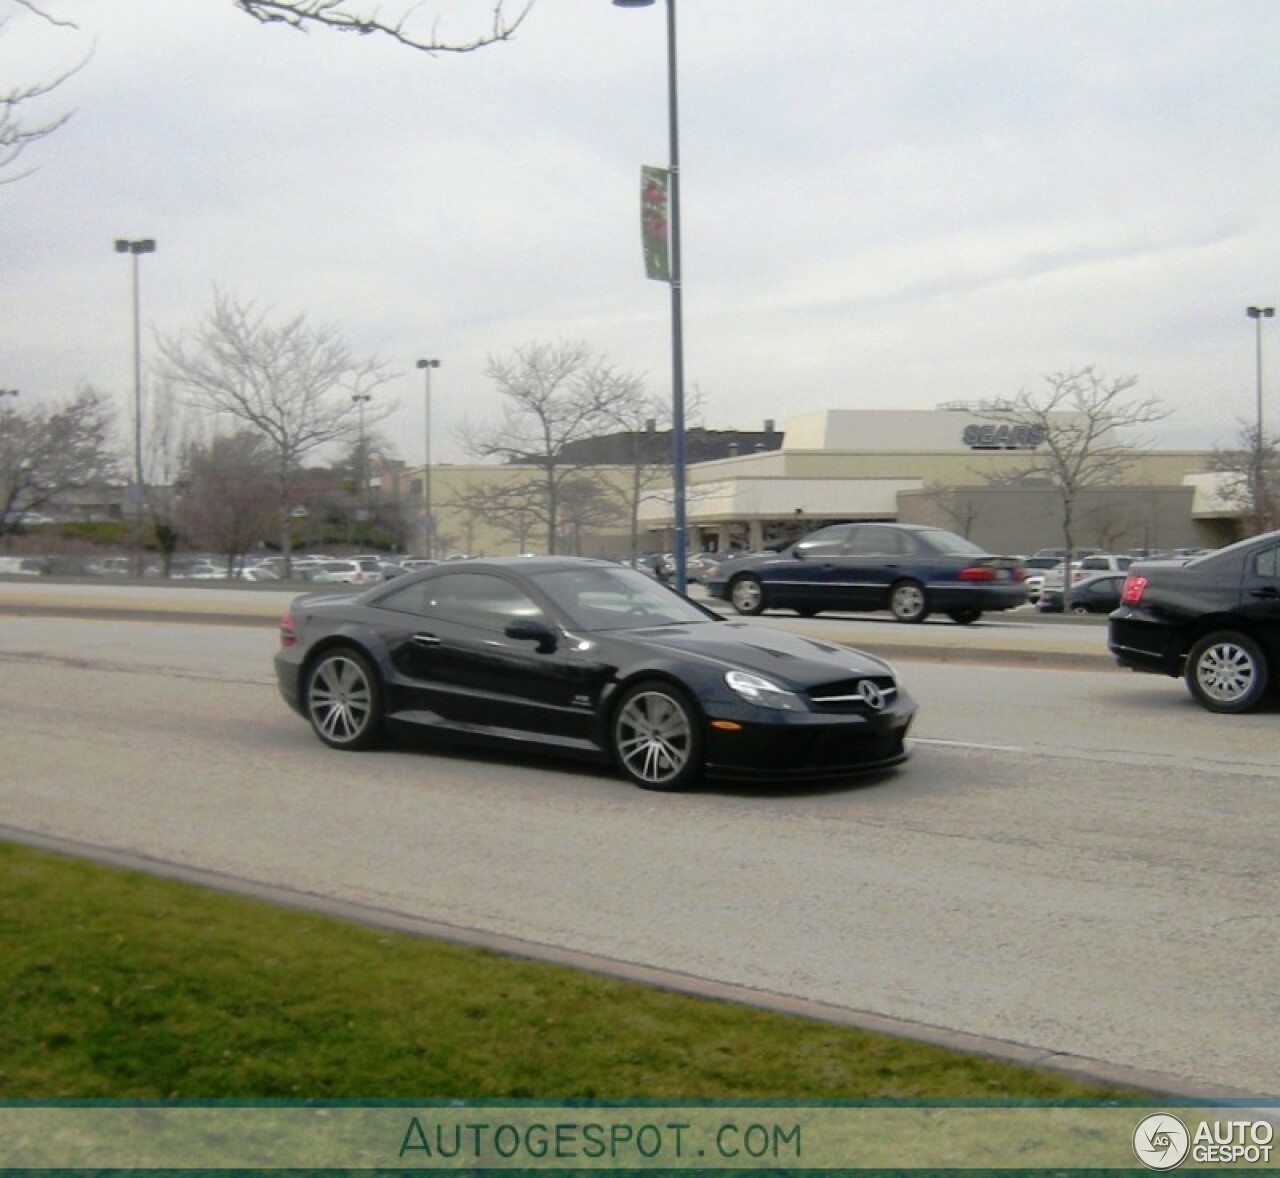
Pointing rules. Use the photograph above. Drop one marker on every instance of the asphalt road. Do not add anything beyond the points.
(1076, 868)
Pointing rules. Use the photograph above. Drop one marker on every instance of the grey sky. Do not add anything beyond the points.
(887, 203)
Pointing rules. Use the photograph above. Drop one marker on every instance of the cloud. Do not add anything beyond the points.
(888, 203)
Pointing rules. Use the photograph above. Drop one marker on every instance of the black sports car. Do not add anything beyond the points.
(910, 570)
(587, 657)
(1214, 620)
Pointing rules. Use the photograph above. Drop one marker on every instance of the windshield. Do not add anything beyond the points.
(598, 598)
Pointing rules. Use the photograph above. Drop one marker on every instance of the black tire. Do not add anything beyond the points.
(908, 602)
(1227, 672)
(344, 700)
(1079, 609)
(655, 736)
(746, 595)
(808, 611)
(965, 617)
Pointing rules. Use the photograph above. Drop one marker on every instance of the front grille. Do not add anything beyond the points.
(845, 696)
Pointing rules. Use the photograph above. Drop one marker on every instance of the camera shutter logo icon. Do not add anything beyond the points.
(1161, 1141)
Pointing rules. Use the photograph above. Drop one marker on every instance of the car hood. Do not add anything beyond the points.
(789, 659)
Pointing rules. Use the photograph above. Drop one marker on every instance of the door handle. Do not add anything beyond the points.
(425, 640)
(1270, 593)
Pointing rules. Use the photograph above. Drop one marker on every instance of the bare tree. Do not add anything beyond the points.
(228, 494)
(292, 384)
(345, 16)
(954, 507)
(17, 133)
(556, 396)
(173, 429)
(646, 421)
(46, 454)
(1249, 475)
(1076, 422)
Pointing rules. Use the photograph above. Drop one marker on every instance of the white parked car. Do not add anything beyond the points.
(341, 572)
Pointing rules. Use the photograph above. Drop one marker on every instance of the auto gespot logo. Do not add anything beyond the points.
(1162, 1141)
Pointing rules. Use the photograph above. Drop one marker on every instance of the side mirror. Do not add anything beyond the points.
(530, 630)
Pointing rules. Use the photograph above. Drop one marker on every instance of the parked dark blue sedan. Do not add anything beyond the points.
(909, 570)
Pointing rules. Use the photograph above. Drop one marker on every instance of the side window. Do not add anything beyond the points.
(876, 542)
(478, 599)
(825, 542)
(1267, 564)
(408, 599)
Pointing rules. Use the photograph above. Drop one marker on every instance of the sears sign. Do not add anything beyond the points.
(1003, 437)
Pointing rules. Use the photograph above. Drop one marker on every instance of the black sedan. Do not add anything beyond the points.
(1095, 595)
(1214, 620)
(590, 658)
(909, 570)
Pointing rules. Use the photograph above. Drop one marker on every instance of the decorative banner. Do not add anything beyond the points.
(654, 222)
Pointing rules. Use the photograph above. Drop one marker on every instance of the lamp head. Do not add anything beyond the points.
(633, 3)
(428, 363)
(1260, 312)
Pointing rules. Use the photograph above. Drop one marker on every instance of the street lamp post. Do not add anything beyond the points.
(145, 245)
(362, 463)
(428, 524)
(1258, 314)
(678, 461)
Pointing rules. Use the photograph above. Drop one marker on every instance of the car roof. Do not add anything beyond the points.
(524, 564)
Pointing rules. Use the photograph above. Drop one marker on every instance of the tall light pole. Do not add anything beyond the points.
(428, 524)
(680, 547)
(145, 245)
(1258, 314)
(362, 462)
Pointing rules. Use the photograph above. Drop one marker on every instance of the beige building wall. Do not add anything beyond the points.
(913, 466)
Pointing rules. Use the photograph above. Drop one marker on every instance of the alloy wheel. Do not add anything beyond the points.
(343, 702)
(655, 739)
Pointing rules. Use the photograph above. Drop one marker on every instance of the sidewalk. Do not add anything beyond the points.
(1020, 637)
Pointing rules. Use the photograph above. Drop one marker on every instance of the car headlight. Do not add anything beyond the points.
(756, 689)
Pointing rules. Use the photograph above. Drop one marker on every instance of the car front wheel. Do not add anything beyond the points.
(1227, 672)
(344, 700)
(746, 595)
(656, 737)
(907, 601)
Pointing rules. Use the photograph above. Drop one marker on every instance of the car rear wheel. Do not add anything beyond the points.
(746, 595)
(1079, 609)
(907, 601)
(344, 700)
(965, 617)
(657, 741)
(1227, 672)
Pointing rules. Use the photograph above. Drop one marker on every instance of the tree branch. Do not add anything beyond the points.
(333, 14)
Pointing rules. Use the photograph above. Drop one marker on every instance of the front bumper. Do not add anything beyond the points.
(807, 746)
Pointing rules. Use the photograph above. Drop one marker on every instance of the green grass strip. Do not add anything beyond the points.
(117, 984)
